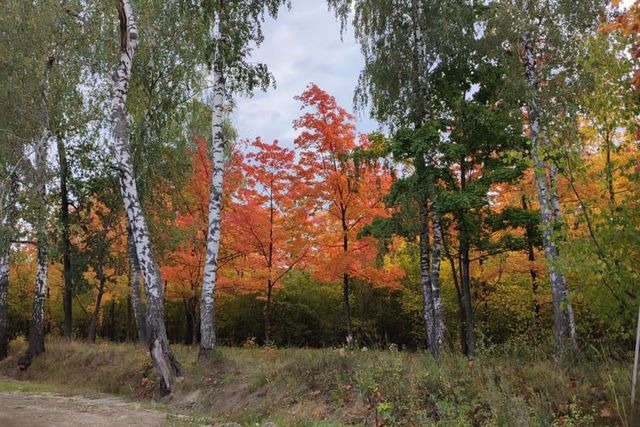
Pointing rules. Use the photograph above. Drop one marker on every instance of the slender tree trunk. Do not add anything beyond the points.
(194, 320)
(93, 326)
(36, 326)
(165, 363)
(531, 255)
(465, 284)
(609, 171)
(112, 320)
(346, 305)
(129, 335)
(136, 297)
(67, 294)
(189, 319)
(456, 283)
(5, 248)
(7, 211)
(267, 313)
(207, 304)
(267, 307)
(425, 277)
(345, 279)
(564, 323)
(190, 305)
(465, 274)
(436, 261)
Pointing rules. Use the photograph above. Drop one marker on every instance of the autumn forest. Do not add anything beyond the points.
(496, 210)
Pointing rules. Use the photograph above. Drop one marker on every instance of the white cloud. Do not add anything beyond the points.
(302, 46)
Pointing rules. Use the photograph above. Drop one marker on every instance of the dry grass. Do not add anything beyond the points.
(337, 387)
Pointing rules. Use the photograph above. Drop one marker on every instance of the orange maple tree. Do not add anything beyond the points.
(347, 195)
(269, 220)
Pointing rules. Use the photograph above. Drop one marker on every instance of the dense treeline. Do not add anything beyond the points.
(500, 207)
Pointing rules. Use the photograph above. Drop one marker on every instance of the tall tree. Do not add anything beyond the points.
(549, 33)
(403, 44)
(235, 27)
(270, 220)
(8, 200)
(136, 286)
(36, 327)
(348, 194)
(164, 361)
(413, 191)
(66, 241)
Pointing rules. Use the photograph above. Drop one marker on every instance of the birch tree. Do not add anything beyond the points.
(403, 44)
(547, 34)
(8, 200)
(41, 176)
(235, 27)
(166, 365)
(136, 286)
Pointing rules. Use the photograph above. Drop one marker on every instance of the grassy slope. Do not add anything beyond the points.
(336, 387)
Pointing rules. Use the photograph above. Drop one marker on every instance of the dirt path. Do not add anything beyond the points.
(18, 409)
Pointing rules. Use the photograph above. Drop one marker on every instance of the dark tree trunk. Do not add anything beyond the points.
(531, 255)
(67, 294)
(465, 281)
(95, 317)
(129, 316)
(345, 279)
(112, 320)
(609, 172)
(465, 274)
(190, 306)
(347, 308)
(267, 313)
(456, 283)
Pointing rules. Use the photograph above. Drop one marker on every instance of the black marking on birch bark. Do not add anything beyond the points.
(564, 322)
(207, 304)
(159, 348)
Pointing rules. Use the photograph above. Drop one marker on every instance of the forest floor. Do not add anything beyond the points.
(316, 387)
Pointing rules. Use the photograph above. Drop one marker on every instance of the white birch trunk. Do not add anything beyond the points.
(136, 283)
(436, 259)
(425, 278)
(7, 211)
(5, 248)
(564, 323)
(36, 326)
(207, 305)
(164, 362)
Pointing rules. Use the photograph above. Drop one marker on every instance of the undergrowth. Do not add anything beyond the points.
(332, 387)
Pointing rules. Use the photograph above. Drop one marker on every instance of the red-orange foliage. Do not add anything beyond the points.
(269, 219)
(347, 195)
(184, 266)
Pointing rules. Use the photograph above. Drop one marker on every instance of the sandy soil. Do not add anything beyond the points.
(19, 409)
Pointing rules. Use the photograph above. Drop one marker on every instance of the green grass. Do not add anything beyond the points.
(333, 387)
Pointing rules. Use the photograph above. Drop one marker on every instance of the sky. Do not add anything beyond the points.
(302, 46)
